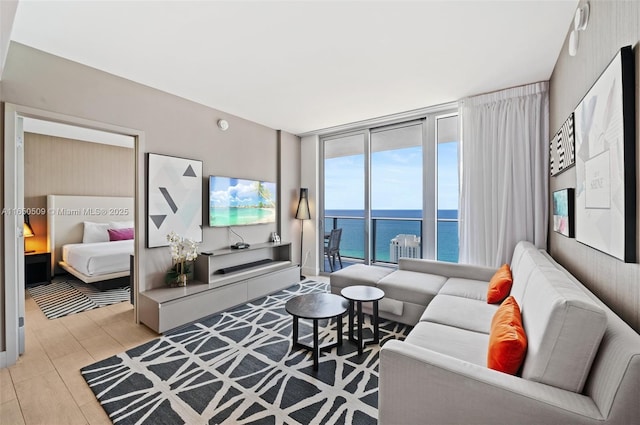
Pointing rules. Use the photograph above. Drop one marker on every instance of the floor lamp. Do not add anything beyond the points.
(302, 213)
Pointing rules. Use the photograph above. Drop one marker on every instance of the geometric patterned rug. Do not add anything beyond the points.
(239, 367)
(71, 296)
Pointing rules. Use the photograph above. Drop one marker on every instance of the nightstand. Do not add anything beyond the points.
(37, 268)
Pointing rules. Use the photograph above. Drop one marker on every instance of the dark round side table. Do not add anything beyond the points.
(359, 294)
(316, 307)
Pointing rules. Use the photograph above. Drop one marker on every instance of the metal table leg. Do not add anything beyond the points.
(351, 312)
(360, 319)
(376, 320)
(316, 345)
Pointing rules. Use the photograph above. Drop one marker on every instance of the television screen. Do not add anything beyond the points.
(240, 202)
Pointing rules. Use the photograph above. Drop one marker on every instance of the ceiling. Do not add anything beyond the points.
(301, 66)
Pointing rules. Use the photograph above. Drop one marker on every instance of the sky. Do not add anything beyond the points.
(396, 179)
(231, 192)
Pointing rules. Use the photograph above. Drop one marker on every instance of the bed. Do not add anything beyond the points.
(91, 237)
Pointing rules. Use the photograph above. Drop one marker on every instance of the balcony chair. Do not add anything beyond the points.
(333, 248)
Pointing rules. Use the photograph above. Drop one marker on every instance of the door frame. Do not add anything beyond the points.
(14, 201)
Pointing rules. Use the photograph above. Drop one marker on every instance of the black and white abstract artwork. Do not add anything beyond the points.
(605, 165)
(562, 148)
(174, 199)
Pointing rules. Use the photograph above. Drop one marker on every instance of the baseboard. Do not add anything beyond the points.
(3, 359)
(309, 271)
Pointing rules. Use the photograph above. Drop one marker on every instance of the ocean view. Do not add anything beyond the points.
(387, 224)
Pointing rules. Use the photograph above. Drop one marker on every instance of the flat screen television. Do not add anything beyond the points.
(240, 202)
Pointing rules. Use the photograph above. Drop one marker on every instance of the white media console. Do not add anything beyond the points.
(224, 279)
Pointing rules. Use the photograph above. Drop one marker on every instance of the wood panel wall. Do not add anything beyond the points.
(612, 24)
(58, 166)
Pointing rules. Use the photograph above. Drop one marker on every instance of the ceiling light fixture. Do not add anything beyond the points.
(580, 22)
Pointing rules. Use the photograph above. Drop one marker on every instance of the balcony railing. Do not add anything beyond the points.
(384, 229)
(448, 241)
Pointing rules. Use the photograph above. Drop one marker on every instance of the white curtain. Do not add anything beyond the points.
(504, 173)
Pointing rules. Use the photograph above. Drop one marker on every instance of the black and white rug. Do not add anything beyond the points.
(69, 296)
(238, 367)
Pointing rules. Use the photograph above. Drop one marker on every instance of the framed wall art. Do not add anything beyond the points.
(605, 161)
(562, 148)
(563, 212)
(174, 198)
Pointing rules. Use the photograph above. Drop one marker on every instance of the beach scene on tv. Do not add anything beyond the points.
(240, 202)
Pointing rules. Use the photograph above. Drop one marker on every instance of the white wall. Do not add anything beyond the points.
(310, 178)
(7, 14)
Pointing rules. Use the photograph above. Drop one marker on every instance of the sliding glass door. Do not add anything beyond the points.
(396, 192)
(344, 197)
(393, 190)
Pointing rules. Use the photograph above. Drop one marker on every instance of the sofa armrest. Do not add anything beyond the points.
(442, 268)
(418, 385)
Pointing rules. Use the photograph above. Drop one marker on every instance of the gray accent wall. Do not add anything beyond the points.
(612, 25)
(171, 125)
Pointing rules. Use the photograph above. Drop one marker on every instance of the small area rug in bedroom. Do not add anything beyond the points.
(69, 296)
(238, 367)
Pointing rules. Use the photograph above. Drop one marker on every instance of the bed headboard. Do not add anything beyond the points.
(66, 215)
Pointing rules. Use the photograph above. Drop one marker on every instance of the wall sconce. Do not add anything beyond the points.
(223, 125)
(580, 22)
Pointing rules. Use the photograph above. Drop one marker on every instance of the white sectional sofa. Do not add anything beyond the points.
(582, 364)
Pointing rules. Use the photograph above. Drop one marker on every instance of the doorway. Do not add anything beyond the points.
(14, 293)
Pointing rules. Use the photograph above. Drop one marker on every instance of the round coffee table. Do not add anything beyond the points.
(360, 294)
(316, 307)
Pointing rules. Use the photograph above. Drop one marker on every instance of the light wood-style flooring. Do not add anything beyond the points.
(45, 385)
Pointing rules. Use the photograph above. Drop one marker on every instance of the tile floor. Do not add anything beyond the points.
(45, 385)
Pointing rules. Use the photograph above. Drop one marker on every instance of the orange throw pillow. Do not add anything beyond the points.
(500, 285)
(507, 340)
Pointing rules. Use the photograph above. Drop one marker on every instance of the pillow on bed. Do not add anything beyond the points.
(95, 232)
(121, 224)
(120, 234)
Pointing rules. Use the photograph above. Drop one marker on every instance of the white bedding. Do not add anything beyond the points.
(98, 258)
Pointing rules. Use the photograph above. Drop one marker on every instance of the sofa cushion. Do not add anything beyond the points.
(507, 340)
(443, 268)
(455, 342)
(564, 328)
(526, 259)
(466, 288)
(499, 285)
(412, 287)
(463, 313)
(357, 274)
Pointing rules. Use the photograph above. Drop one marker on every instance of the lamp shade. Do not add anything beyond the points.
(302, 212)
(27, 230)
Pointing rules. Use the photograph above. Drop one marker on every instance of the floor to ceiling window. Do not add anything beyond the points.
(393, 190)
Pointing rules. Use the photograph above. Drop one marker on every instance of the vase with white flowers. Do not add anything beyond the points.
(183, 252)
